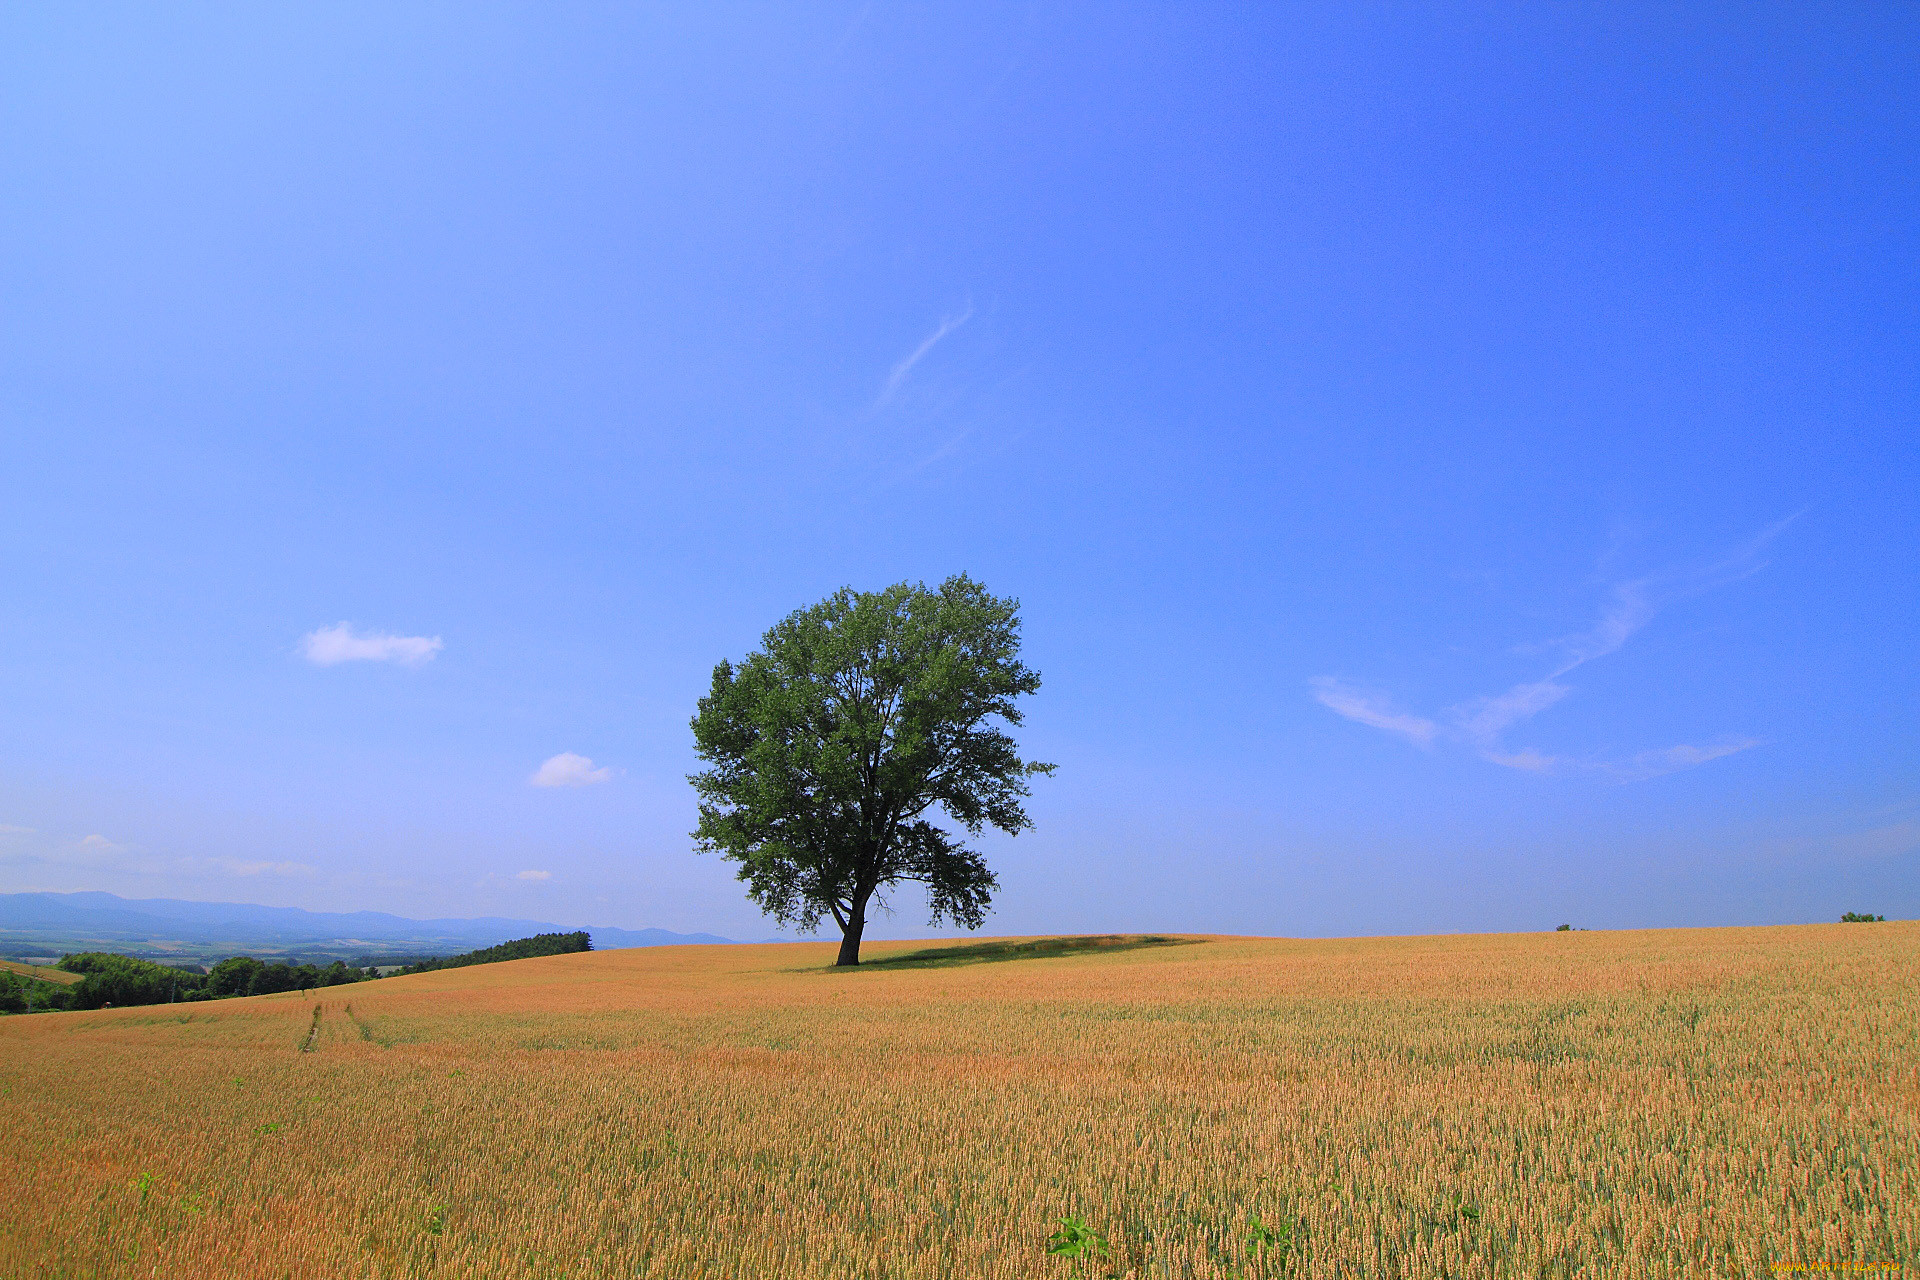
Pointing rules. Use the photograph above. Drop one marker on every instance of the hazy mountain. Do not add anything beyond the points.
(76, 921)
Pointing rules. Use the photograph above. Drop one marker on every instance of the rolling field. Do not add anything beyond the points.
(1661, 1103)
(45, 973)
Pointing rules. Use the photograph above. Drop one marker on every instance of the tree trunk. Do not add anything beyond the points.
(851, 931)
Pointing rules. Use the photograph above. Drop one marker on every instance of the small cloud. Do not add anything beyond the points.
(1481, 722)
(1484, 719)
(1654, 764)
(97, 853)
(1526, 759)
(569, 770)
(245, 867)
(900, 371)
(1371, 709)
(8, 829)
(1630, 609)
(533, 875)
(341, 643)
(1636, 768)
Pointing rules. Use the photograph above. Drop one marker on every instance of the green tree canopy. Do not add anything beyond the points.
(857, 721)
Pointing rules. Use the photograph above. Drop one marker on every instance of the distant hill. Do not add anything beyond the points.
(37, 922)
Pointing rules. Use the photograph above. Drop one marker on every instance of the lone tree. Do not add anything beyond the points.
(857, 719)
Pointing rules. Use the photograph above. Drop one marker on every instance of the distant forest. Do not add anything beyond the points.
(541, 944)
(109, 979)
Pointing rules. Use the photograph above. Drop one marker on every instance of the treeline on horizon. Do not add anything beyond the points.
(541, 944)
(110, 979)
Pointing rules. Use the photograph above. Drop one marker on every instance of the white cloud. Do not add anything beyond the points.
(1653, 764)
(249, 867)
(340, 643)
(1480, 723)
(99, 854)
(96, 861)
(1635, 768)
(533, 875)
(1484, 719)
(1525, 759)
(1635, 603)
(1371, 709)
(569, 770)
(96, 853)
(1629, 610)
(900, 371)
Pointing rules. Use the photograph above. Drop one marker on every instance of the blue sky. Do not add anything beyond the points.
(1458, 464)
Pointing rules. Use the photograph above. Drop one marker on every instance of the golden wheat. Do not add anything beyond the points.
(1647, 1104)
(45, 973)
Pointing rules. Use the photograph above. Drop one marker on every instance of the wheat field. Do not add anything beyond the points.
(1661, 1103)
(46, 973)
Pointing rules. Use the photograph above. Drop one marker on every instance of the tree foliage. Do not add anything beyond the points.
(111, 979)
(117, 979)
(21, 995)
(541, 944)
(836, 744)
(245, 976)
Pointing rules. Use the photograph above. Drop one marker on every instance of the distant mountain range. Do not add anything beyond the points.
(38, 923)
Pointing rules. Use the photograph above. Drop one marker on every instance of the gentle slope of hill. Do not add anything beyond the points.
(43, 972)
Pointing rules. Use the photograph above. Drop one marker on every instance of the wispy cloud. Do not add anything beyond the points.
(341, 643)
(93, 854)
(1482, 723)
(263, 867)
(1630, 609)
(1889, 841)
(569, 770)
(1526, 759)
(1372, 709)
(533, 875)
(898, 375)
(1483, 720)
(94, 861)
(1635, 768)
(1653, 764)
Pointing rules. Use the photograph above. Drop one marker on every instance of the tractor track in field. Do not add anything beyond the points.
(313, 1032)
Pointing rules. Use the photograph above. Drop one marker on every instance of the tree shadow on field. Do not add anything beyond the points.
(1036, 949)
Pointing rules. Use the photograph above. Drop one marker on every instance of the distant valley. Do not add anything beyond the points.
(43, 926)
